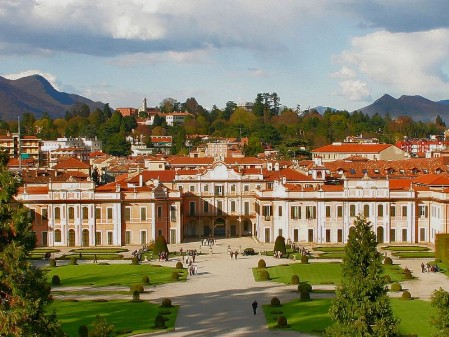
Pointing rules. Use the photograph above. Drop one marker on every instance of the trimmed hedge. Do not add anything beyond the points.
(304, 287)
(396, 287)
(294, 279)
(262, 263)
(52, 263)
(179, 265)
(275, 302)
(145, 280)
(304, 259)
(442, 247)
(388, 261)
(175, 276)
(282, 321)
(264, 275)
(55, 280)
(406, 295)
(137, 287)
(166, 303)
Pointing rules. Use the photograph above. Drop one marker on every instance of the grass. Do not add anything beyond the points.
(330, 248)
(91, 256)
(331, 255)
(414, 255)
(312, 316)
(114, 274)
(125, 315)
(318, 273)
(99, 250)
(406, 248)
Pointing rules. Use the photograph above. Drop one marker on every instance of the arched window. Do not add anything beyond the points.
(57, 213)
(85, 213)
(57, 235)
(71, 213)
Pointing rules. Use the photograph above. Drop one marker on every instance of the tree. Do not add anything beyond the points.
(102, 328)
(440, 300)
(24, 289)
(361, 306)
(160, 245)
(279, 245)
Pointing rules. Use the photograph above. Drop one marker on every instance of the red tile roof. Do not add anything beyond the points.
(71, 163)
(352, 148)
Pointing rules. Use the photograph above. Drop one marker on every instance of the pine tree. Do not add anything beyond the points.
(362, 307)
(24, 288)
(279, 245)
(160, 245)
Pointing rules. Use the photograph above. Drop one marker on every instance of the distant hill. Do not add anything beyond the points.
(417, 107)
(35, 94)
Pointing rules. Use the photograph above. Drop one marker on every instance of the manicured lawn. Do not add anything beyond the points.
(312, 316)
(318, 273)
(313, 273)
(331, 255)
(330, 248)
(99, 250)
(406, 248)
(125, 315)
(91, 256)
(414, 255)
(114, 274)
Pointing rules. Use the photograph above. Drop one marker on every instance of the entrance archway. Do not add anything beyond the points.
(219, 227)
(247, 227)
(71, 237)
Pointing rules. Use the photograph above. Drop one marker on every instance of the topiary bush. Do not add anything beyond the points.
(137, 287)
(179, 265)
(249, 251)
(294, 279)
(406, 295)
(264, 275)
(261, 263)
(55, 280)
(136, 296)
(304, 296)
(275, 302)
(52, 263)
(159, 322)
(279, 245)
(387, 278)
(282, 321)
(166, 303)
(73, 260)
(388, 261)
(160, 245)
(83, 331)
(304, 259)
(175, 276)
(396, 287)
(407, 274)
(134, 260)
(304, 287)
(145, 280)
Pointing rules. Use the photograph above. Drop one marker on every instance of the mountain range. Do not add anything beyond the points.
(417, 107)
(35, 94)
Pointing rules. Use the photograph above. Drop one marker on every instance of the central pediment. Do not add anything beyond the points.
(221, 172)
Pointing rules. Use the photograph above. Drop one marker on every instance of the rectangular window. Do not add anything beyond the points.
(295, 212)
(232, 188)
(404, 234)
(206, 207)
(232, 206)
(392, 235)
(127, 213)
(246, 208)
(423, 211)
(143, 237)
(328, 235)
(98, 238)
(422, 234)
(310, 212)
(98, 213)
(393, 210)
(143, 214)
(404, 211)
(267, 211)
(192, 208)
(206, 188)
(159, 212)
(328, 211)
(127, 237)
(380, 211)
(85, 213)
(71, 213)
(192, 188)
(219, 207)
(339, 211)
(310, 235)
(366, 211)
(246, 188)
(172, 213)
(352, 210)
(44, 214)
(279, 210)
(57, 235)
(219, 190)
(109, 213)
(57, 213)
(109, 238)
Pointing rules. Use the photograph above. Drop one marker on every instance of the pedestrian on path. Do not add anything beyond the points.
(254, 305)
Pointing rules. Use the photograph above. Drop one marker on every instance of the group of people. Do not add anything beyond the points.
(210, 241)
(429, 268)
(163, 256)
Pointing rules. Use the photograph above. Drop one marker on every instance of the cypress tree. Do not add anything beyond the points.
(279, 245)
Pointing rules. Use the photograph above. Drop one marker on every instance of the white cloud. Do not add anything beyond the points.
(355, 90)
(255, 72)
(407, 63)
(344, 73)
(49, 77)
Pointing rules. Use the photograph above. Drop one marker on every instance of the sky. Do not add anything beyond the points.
(344, 54)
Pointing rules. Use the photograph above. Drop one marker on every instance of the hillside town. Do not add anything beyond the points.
(79, 196)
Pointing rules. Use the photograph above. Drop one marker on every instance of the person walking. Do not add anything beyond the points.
(254, 305)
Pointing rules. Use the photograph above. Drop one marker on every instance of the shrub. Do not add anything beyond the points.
(73, 260)
(275, 302)
(387, 278)
(396, 287)
(136, 296)
(388, 261)
(179, 265)
(175, 276)
(166, 303)
(137, 287)
(279, 245)
(282, 321)
(304, 287)
(83, 331)
(294, 279)
(304, 296)
(55, 280)
(262, 263)
(249, 251)
(52, 263)
(160, 245)
(406, 295)
(264, 275)
(134, 260)
(408, 274)
(145, 280)
(159, 322)
(304, 259)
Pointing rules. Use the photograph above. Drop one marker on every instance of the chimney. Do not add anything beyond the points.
(140, 180)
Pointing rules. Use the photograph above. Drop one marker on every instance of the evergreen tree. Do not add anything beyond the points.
(279, 245)
(24, 288)
(160, 245)
(362, 307)
(440, 300)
